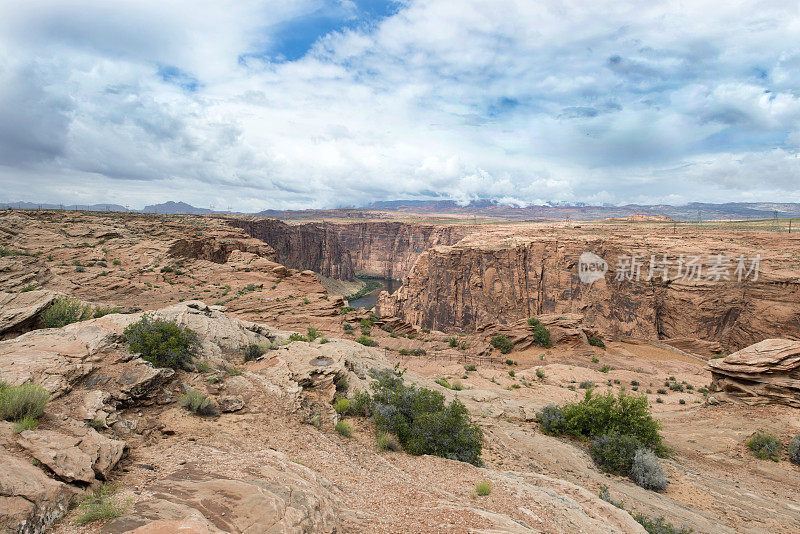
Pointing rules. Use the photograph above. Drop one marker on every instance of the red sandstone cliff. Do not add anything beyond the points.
(505, 278)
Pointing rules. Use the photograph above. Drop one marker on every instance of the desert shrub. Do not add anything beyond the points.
(483, 488)
(765, 446)
(254, 351)
(26, 423)
(101, 504)
(614, 452)
(634, 382)
(604, 369)
(682, 401)
(470, 368)
(533, 321)
(595, 415)
(312, 334)
(403, 352)
(342, 405)
(540, 374)
(541, 336)
(551, 420)
(662, 391)
(102, 312)
(346, 309)
(443, 382)
(453, 342)
(794, 450)
(197, 403)
(596, 342)
(341, 384)
(366, 341)
(202, 366)
(29, 287)
(162, 343)
(512, 373)
(360, 404)
(297, 337)
(382, 442)
(64, 311)
(646, 471)
(344, 428)
(676, 387)
(456, 386)
(595, 359)
(5, 251)
(418, 352)
(659, 525)
(502, 343)
(422, 421)
(347, 327)
(26, 401)
(586, 384)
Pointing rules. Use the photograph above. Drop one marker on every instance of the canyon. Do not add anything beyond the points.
(243, 280)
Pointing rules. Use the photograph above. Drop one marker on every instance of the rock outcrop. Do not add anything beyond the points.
(218, 250)
(764, 373)
(20, 311)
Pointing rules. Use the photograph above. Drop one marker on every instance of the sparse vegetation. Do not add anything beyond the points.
(101, 504)
(470, 368)
(254, 351)
(344, 428)
(596, 342)
(794, 450)
(26, 423)
(540, 374)
(23, 404)
(64, 311)
(646, 471)
(541, 336)
(342, 405)
(102, 312)
(366, 341)
(502, 343)
(197, 403)
(604, 369)
(483, 489)
(765, 446)
(162, 343)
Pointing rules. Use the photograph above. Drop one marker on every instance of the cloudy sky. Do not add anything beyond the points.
(308, 103)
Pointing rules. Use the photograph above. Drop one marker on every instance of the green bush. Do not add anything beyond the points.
(26, 423)
(443, 382)
(254, 351)
(344, 428)
(64, 311)
(422, 421)
(540, 374)
(765, 446)
(366, 341)
(102, 312)
(99, 505)
(595, 415)
(346, 309)
(614, 452)
(551, 420)
(794, 450)
(533, 321)
(162, 343)
(26, 401)
(586, 384)
(360, 404)
(418, 352)
(342, 405)
(483, 488)
(312, 334)
(596, 342)
(502, 343)
(197, 403)
(659, 525)
(470, 368)
(604, 369)
(541, 336)
(297, 337)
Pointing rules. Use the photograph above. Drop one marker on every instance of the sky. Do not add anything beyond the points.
(292, 104)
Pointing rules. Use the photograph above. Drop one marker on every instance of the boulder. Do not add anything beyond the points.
(230, 403)
(73, 458)
(764, 373)
(20, 311)
(30, 501)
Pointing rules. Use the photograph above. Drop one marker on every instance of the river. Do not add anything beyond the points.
(369, 300)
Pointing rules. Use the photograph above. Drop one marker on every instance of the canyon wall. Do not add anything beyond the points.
(309, 246)
(483, 279)
(389, 249)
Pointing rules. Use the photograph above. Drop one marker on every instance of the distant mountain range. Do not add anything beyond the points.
(481, 208)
